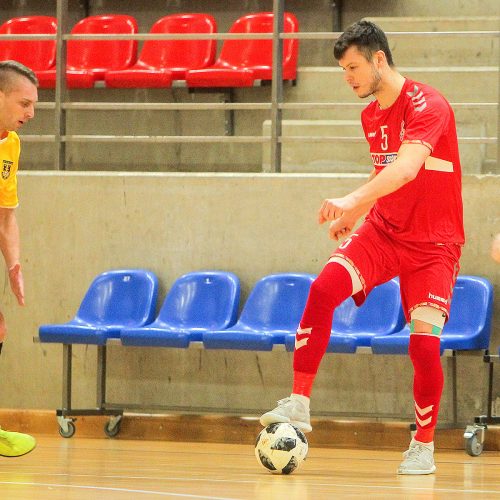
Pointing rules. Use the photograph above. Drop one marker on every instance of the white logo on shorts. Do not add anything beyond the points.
(439, 299)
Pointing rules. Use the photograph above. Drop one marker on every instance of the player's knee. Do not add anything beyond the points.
(329, 288)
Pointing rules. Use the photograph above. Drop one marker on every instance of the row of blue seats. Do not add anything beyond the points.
(202, 307)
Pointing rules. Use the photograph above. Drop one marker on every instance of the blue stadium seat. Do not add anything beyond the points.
(115, 299)
(353, 327)
(272, 310)
(468, 328)
(197, 302)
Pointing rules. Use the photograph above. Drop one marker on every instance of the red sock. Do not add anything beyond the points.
(302, 383)
(328, 290)
(427, 383)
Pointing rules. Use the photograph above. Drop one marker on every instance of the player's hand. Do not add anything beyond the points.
(17, 283)
(340, 228)
(334, 208)
(495, 248)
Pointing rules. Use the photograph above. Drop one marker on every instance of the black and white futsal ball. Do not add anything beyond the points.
(281, 448)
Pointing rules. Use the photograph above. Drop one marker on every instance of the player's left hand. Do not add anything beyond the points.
(340, 228)
(334, 208)
(17, 283)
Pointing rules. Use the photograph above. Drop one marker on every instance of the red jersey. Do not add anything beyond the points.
(428, 208)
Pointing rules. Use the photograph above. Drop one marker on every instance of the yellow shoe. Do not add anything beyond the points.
(15, 444)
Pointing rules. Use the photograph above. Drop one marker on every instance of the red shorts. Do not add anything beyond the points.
(427, 271)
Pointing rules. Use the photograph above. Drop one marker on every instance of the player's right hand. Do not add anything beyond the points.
(334, 208)
(17, 283)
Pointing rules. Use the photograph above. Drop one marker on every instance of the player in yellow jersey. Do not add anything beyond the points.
(18, 95)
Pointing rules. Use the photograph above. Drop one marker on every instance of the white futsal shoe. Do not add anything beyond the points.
(291, 411)
(418, 459)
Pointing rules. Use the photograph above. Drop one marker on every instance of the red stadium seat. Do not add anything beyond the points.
(88, 60)
(162, 61)
(242, 62)
(38, 55)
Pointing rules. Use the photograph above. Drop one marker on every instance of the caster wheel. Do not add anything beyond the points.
(111, 431)
(473, 447)
(68, 433)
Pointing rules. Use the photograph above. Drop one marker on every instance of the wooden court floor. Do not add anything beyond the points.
(98, 468)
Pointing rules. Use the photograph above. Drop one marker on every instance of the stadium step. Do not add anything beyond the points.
(327, 84)
(349, 153)
(436, 23)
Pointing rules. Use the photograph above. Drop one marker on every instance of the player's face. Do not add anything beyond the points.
(17, 105)
(362, 76)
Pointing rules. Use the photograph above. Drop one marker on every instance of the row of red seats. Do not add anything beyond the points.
(240, 64)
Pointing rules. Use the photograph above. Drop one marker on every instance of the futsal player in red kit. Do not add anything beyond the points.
(413, 229)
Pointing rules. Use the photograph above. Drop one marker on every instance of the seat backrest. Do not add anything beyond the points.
(471, 308)
(181, 54)
(203, 299)
(103, 54)
(38, 55)
(258, 53)
(277, 302)
(122, 297)
(381, 313)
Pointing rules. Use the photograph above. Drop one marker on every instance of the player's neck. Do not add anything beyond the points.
(389, 89)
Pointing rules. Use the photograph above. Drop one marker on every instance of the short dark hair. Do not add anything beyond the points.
(367, 37)
(9, 69)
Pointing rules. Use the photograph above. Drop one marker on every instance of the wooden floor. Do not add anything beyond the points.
(86, 468)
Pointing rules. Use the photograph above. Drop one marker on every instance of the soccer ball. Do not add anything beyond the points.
(281, 448)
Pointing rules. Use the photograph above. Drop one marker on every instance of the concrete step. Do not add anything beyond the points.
(417, 23)
(439, 49)
(444, 50)
(417, 50)
(350, 152)
(457, 84)
(465, 113)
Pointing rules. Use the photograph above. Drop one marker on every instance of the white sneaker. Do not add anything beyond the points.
(290, 411)
(418, 459)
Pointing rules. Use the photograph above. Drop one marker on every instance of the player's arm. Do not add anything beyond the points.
(404, 169)
(10, 248)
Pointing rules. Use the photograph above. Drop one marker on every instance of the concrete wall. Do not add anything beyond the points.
(76, 225)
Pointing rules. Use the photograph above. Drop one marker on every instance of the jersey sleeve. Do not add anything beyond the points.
(8, 176)
(427, 120)
(8, 196)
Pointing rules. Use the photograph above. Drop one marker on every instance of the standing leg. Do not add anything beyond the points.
(427, 279)
(424, 351)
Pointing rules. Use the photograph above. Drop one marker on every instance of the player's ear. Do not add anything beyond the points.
(380, 58)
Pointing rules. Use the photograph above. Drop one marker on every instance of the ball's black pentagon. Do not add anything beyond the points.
(284, 444)
(300, 434)
(272, 428)
(258, 437)
(290, 466)
(265, 461)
